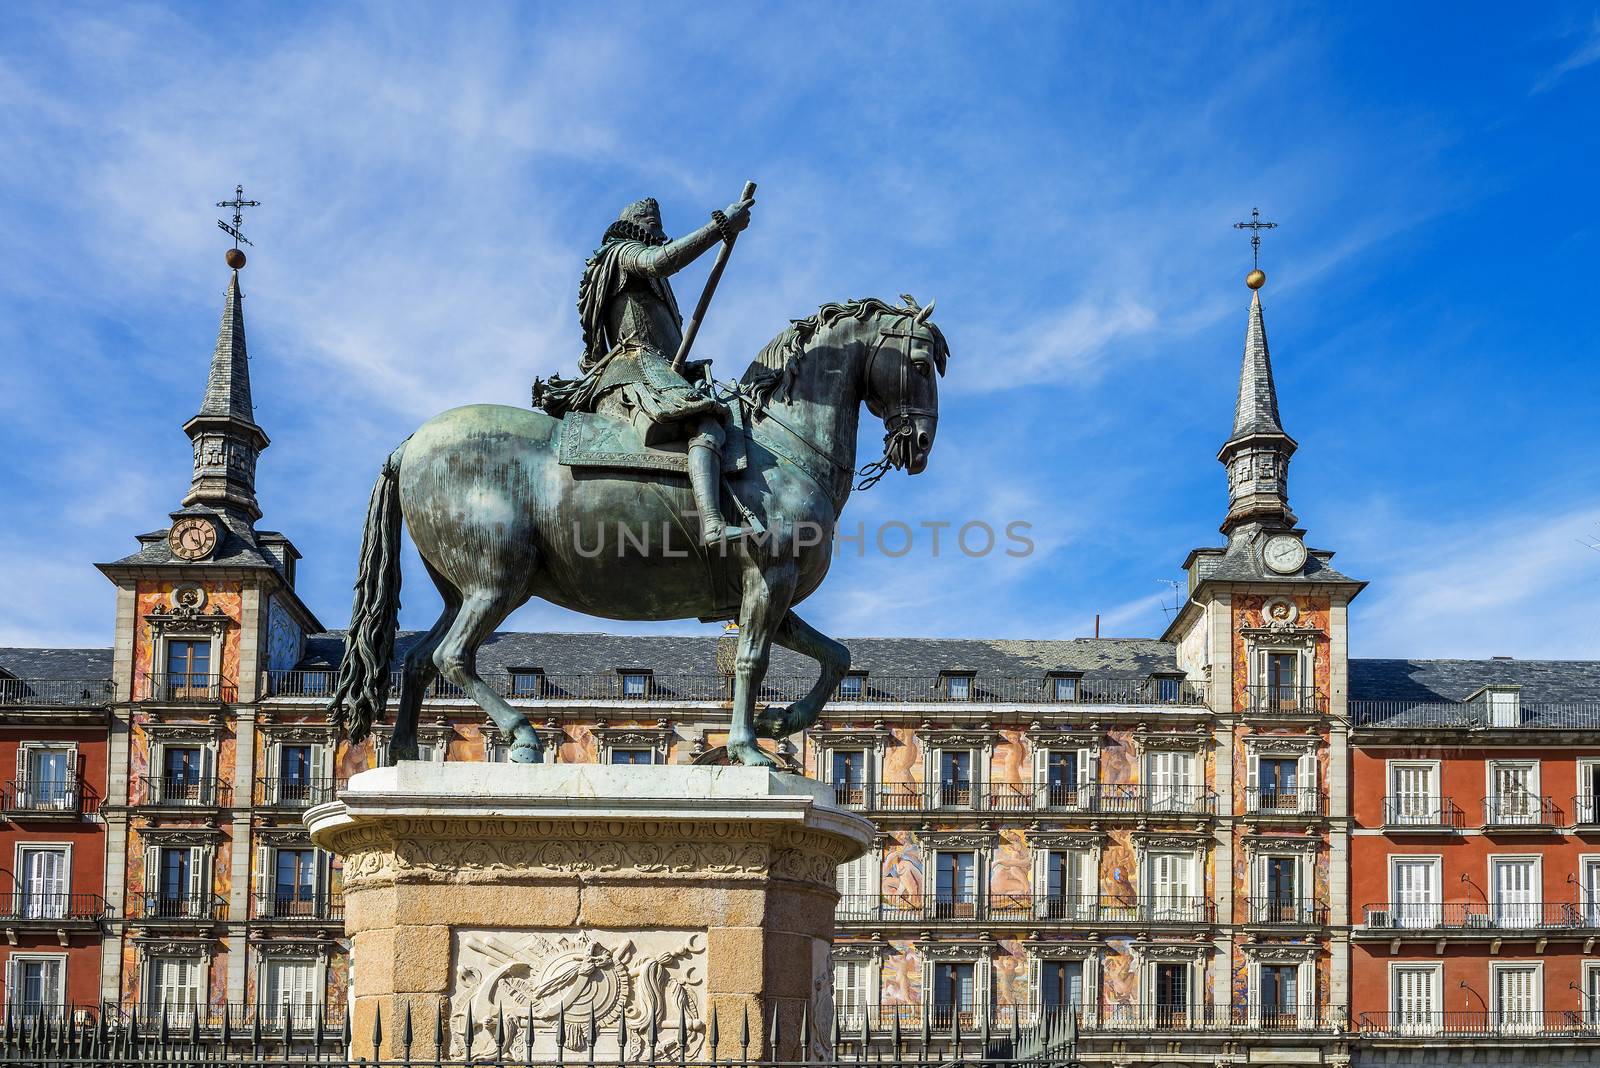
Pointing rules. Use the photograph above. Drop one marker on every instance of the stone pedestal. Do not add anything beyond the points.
(629, 893)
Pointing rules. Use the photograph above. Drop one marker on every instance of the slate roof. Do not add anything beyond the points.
(228, 386)
(1541, 681)
(236, 546)
(1256, 411)
(593, 653)
(1238, 562)
(67, 665)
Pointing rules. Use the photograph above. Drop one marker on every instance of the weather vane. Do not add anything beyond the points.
(235, 255)
(1257, 277)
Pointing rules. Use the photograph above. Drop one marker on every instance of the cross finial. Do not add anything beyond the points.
(1257, 277)
(238, 204)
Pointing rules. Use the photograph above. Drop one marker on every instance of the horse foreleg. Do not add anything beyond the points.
(456, 659)
(832, 658)
(766, 600)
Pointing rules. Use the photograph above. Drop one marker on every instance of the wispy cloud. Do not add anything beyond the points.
(1586, 54)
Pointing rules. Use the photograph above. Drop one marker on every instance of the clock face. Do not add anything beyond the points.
(192, 538)
(1284, 553)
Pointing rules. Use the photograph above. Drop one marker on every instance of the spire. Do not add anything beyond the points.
(1257, 453)
(224, 432)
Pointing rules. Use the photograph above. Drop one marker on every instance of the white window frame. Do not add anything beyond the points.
(1532, 911)
(871, 968)
(1391, 790)
(1587, 801)
(1193, 902)
(976, 776)
(1081, 911)
(209, 779)
(214, 658)
(1497, 817)
(1087, 957)
(1500, 699)
(1194, 959)
(1088, 774)
(321, 764)
(982, 980)
(1435, 1011)
(1589, 888)
(179, 1015)
(980, 876)
(1535, 1022)
(266, 874)
(1275, 747)
(1304, 869)
(1589, 979)
(319, 985)
(20, 868)
(13, 983)
(1305, 963)
(1435, 906)
(1185, 798)
(25, 779)
(1256, 660)
(870, 867)
(202, 880)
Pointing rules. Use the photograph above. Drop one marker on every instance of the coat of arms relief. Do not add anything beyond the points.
(620, 983)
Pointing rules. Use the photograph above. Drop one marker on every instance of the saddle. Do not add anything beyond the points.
(602, 439)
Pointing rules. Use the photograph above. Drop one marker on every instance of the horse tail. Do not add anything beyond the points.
(363, 689)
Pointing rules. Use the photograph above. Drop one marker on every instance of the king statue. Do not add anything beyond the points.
(632, 329)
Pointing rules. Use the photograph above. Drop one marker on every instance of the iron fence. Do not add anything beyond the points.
(23, 906)
(1485, 916)
(180, 907)
(296, 792)
(1065, 908)
(307, 906)
(1266, 699)
(48, 797)
(183, 791)
(1516, 1022)
(55, 693)
(1285, 911)
(1272, 801)
(1419, 812)
(1400, 714)
(1510, 811)
(185, 687)
(1101, 799)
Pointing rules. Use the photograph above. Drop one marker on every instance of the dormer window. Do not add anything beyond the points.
(1505, 706)
(958, 687)
(852, 687)
(1064, 688)
(1168, 689)
(635, 685)
(527, 682)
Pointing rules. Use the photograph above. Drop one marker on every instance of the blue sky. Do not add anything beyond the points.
(1061, 177)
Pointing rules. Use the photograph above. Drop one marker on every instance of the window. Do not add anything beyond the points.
(1172, 994)
(47, 778)
(1590, 871)
(188, 665)
(1515, 886)
(1415, 885)
(43, 882)
(632, 756)
(1170, 776)
(636, 684)
(858, 896)
(955, 777)
(956, 883)
(527, 683)
(289, 989)
(1066, 777)
(1591, 993)
(1279, 996)
(294, 883)
(1513, 792)
(849, 776)
(1516, 997)
(1283, 681)
(1278, 784)
(1588, 797)
(958, 687)
(177, 882)
(184, 779)
(1065, 688)
(1071, 885)
(1169, 887)
(1414, 998)
(850, 992)
(954, 986)
(1505, 708)
(1061, 984)
(172, 988)
(1414, 794)
(852, 687)
(1168, 689)
(1280, 900)
(35, 984)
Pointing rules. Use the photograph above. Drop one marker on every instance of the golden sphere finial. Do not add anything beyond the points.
(235, 258)
(1256, 278)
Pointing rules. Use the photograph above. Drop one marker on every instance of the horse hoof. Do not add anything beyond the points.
(399, 751)
(750, 755)
(526, 753)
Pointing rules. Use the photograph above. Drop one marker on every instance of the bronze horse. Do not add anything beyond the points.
(498, 520)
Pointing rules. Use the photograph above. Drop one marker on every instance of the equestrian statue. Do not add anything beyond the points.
(643, 489)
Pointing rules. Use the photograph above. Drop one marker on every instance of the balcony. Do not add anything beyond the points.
(1559, 1023)
(1272, 803)
(182, 792)
(1266, 701)
(1025, 909)
(18, 908)
(240, 1019)
(48, 799)
(180, 907)
(185, 688)
(299, 908)
(1522, 813)
(880, 1021)
(55, 693)
(1411, 715)
(1098, 799)
(1475, 917)
(1285, 912)
(1413, 812)
(318, 684)
(296, 793)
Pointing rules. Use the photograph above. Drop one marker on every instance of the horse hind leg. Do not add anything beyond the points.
(456, 659)
(419, 671)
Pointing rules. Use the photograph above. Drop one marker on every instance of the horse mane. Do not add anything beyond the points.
(778, 364)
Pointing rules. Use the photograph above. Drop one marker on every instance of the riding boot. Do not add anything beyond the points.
(705, 478)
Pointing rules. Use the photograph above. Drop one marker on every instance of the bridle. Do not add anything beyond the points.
(897, 424)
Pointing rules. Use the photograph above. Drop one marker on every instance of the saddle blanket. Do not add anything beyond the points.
(595, 439)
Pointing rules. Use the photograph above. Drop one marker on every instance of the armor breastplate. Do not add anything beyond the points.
(638, 315)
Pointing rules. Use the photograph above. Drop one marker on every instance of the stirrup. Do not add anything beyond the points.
(717, 532)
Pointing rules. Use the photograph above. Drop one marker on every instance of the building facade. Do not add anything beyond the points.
(1229, 844)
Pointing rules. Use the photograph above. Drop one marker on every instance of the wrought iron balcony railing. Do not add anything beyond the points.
(1024, 908)
(1266, 699)
(158, 906)
(183, 791)
(48, 797)
(184, 688)
(240, 1019)
(296, 792)
(1586, 810)
(1510, 811)
(1286, 911)
(55, 693)
(1272, 801)
(1102, 799)
(22, 906)
(292, 905)
(879, 1022)
(1404, 714)
(1422, 1023)
(911, 689)
(1475, 916)
(1419, 812)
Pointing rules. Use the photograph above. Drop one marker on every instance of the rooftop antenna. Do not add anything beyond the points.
(1177, 597)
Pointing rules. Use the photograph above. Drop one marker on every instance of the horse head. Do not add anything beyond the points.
(902, 385)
